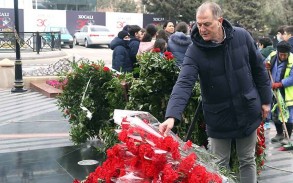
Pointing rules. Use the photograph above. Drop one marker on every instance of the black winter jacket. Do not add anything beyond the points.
(178, 44)
(120, 59)
(234, 83)
(133, 46)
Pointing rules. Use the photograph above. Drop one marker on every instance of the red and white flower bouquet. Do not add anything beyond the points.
(145, 156)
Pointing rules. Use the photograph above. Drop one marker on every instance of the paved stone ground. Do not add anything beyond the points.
(279, 164)
(30, 121)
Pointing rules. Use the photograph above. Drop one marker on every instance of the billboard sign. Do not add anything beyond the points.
(77, 19)
(116, 21)
(38, 20)
(7, 19)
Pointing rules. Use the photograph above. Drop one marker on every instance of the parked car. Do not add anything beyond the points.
(93, 35)
(66, 38)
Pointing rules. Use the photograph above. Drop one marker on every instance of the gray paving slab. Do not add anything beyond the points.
(279, 164)
(31, 121)
(33, 55)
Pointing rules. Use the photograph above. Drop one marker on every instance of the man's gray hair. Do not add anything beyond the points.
(214, 7)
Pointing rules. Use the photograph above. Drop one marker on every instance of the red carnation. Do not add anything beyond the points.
(168, 55)
(106, 69)
(157, 50)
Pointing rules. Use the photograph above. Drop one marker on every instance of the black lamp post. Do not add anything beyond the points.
(18, 83)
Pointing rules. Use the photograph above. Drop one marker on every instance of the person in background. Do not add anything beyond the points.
(148, 40)
(288, 36)
(120, 57)
(280, 65)
(235, 88)
(135, 33)
(142, 32)
(168, 27)
(179, 42)
(265, 45)
(280, 33)
(126, 28)
(161, 34)
(160, 45)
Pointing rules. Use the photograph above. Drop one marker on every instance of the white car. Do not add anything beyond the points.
(93, 35)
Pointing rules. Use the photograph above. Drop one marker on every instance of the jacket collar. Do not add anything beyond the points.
(197, 39)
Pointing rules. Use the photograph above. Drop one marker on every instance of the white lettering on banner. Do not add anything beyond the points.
(3, 14)
(86, 17)
(158, 19)
(120, 24)
(41, 22)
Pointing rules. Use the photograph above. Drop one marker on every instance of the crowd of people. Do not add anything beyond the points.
(237, 75)
(134, 40)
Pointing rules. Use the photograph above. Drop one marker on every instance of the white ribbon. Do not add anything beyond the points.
(89, 115)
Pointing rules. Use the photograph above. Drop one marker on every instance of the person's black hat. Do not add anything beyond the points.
(123, 34)
(283, 47)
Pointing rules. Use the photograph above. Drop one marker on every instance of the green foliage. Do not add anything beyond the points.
(152, 90)
(172, 9)
(126, 6)
(259, 17)
(101, 87)
(277, 13)
(245, 13)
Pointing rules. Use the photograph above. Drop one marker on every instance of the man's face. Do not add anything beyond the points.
(283, 56)
(209, 28)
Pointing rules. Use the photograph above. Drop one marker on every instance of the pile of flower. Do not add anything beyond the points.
(57, 84)
(89, 97)
(144, 156)
(260, 148)
(151, 91)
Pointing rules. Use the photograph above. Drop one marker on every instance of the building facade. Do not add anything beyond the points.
(75, 5)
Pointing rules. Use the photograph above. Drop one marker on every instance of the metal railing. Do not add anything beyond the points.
(30, 41)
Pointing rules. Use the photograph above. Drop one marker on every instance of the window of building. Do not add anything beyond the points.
(76, 5)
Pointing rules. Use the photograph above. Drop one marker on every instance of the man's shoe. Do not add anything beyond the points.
(285, 142)
(277, 138)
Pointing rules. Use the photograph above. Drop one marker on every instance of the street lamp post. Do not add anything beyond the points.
(18, 83)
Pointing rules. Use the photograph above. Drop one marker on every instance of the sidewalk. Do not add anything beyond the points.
(35, 146)
(25, 55)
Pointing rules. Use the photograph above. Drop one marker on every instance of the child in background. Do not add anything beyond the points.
(160, 45)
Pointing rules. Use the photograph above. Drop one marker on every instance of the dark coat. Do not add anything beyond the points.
(178, 44)
(120, 59)
(267, 50)
(234, 83)
(290, 41)
(133, 45)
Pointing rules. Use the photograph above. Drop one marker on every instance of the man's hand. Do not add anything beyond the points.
(268, 65)
(166, 126)
(265, 110)
(277, 85)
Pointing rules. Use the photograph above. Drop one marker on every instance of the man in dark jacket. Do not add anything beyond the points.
(266, 46)
(235, 87)
(135, 34)
(120, 59)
